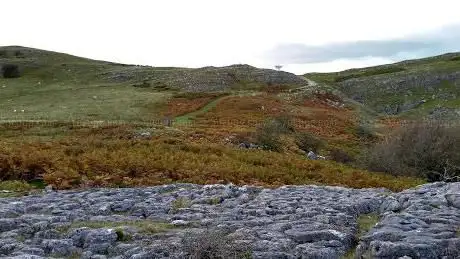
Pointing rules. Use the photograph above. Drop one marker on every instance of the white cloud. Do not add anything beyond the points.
(337, 65)
(425, 44)
(206, 32)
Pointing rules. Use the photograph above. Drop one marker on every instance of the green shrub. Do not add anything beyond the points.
(430, 150)
(122, 236)
(268, 134)
(285, 124)
(18, 54)
(179, 203)
(308, 142)
(365, 132)
(340, 156)
(10, 71)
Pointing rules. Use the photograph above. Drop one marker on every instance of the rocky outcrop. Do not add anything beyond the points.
(399, 92)
(206, 78)
(419, 223)
(65, 67)
(287, 222)
(404, 81)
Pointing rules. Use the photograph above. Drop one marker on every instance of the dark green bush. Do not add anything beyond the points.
(308, 142)
(430, 150)
(268, 134)
(267, 138)
(18, 54)
(122, 236)
(340, 156)
(365, 132)
(10, 71)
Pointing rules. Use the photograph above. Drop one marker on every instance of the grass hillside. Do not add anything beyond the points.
(74, 122)
(428, 87)
(56, 86)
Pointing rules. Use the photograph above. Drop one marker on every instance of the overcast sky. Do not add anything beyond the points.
(303, 36)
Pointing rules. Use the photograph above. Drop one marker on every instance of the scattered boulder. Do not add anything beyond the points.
(248, 145)
(311, 155)
(49, 188)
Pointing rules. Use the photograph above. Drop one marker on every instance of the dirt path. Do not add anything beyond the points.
(187, 118)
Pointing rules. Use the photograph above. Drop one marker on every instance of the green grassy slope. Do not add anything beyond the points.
(449, 61)
(428, 87)
(56, 86)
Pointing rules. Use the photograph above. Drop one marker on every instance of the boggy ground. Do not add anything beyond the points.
(253, 222)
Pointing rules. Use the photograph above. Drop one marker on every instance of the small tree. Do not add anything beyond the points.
(268, 135)
(365, 132)
(308, 142)
(18, 54)
(278, 67)
(10, 71)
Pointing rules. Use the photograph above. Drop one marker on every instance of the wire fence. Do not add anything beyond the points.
(171, 122)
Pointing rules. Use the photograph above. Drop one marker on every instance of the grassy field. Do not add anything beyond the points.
(94, 102)
(56, 86)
